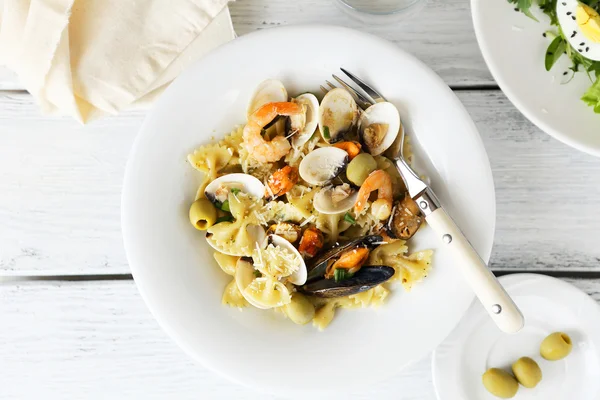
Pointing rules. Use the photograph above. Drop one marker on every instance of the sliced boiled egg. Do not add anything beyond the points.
(581, 25)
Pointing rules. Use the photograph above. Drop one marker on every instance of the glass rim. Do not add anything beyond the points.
(375, 13)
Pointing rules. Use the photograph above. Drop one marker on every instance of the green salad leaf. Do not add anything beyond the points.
(592, 96)
(559, 45)
(524, 6)
(555, 51)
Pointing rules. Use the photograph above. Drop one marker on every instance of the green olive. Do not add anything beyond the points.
(527, 372)
(203, 214)
(300, 310)
(556, 346)
(500, 383)
(360, 167)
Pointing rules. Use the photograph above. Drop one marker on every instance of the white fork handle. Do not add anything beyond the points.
(493, 297)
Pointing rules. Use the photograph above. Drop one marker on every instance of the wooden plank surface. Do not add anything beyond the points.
(61, 183)
(441, 35)
(97, 340)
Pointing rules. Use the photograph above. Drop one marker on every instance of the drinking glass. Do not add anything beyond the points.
(380, 11)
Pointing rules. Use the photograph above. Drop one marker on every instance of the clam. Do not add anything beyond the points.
(322, 165)
(335, 199)
(337, 115)
(299, 276)
(269, 91)
(378, 127)
(303, 126)
(318, 267)
(256, 235)
(287, 230)
(218, 190)
(366, 278)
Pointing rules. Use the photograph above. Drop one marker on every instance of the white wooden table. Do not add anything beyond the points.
(73, 325)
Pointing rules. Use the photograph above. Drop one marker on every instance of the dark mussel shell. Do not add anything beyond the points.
(366, 278)
(316, 269)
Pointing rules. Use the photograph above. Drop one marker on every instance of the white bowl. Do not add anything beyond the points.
(514, 49)
(173, 266)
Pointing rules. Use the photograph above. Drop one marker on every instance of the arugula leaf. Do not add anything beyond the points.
(525, 7)
(555, 51)
(326, 134)
(592, 96)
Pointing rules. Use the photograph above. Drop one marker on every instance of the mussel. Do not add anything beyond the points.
(366, 278)
(318, 267)
(405, 220)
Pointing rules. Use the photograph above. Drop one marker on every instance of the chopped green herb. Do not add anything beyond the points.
(257, 273)
(235, 190)
(341, 274)
(225, 218)
(349, 218)
(326, 134)
(555, 51)
(225, 206)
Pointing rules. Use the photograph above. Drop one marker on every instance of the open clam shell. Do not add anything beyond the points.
(324, 203)
(305, 124)
(269, 91)
(338, 113)
(366, 278)
(218, 190)
(298, 277)
(378, 127)
(320, 166)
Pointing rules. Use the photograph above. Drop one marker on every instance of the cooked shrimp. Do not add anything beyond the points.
(351, 260)
(382, 207)
(311, 243)
(262, 150)
(352, 148)
(282, 181)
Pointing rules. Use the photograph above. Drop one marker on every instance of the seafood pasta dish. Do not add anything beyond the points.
(305, 208)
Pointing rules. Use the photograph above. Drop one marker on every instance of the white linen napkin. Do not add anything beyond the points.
(88, 58)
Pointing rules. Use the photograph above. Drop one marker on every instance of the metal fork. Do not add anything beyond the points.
(502, 309)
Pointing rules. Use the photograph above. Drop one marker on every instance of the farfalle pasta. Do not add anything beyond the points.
(295, 233)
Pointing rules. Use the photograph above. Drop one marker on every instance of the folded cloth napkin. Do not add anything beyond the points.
(88, 58)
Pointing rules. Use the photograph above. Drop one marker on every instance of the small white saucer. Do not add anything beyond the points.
(549, 305)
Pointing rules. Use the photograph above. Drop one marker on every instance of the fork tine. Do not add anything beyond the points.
(369, 90)
(362, 101)
(324, 89)
(331, 85)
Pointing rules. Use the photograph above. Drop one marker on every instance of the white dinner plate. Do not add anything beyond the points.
(549, 305)
(514, 49)
(173, 265)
